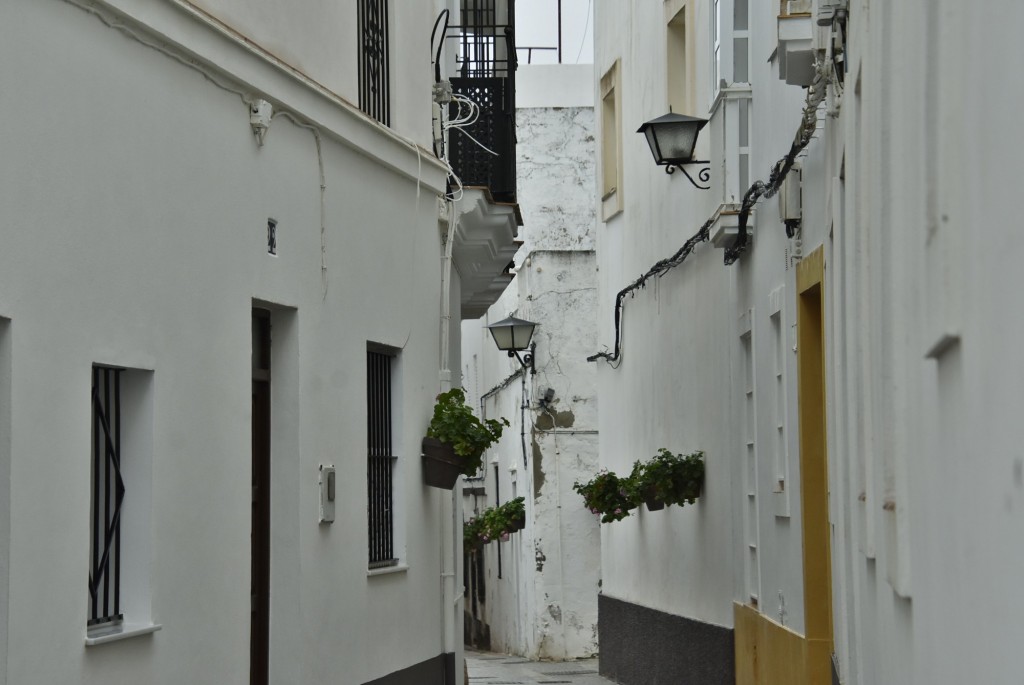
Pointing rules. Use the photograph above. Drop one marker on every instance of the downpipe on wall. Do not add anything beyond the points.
(451, 509)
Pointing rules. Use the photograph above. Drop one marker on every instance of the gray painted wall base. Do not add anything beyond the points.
(642, 646)
(439, 670)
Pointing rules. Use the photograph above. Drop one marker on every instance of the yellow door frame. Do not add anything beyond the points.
(817, 556)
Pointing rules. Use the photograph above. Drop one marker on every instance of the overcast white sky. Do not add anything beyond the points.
(537, 26)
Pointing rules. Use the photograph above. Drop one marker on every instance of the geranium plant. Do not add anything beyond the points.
(473, 534)
(455, 423)
(607, 495)
(495, 523)
(668, 478)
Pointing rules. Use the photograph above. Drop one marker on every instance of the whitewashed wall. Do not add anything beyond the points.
(545, 603)
(929, 480)
(672, 387)
(136, 202)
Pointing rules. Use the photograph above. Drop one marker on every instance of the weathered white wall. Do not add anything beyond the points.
(136, 203)
(545, 603)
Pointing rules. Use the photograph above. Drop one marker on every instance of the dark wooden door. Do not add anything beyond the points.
(260, 620)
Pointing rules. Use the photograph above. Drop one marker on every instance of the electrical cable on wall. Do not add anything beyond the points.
(815, 94)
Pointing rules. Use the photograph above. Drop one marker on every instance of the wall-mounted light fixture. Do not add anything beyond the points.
(672, 138)
(513, 335)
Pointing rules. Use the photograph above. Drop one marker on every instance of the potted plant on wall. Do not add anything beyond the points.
(456, 440)
(494, 523)
(667, 478)
(607, 495)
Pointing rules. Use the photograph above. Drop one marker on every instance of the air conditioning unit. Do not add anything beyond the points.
(829, 10)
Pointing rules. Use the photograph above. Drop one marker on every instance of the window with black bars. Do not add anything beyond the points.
(107, 498)
(380, 464)
(374, 62)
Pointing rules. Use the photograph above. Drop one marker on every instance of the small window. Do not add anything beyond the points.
(381, 458)
(374, 60)
(680, 79)
(120, 484)
(611, 145)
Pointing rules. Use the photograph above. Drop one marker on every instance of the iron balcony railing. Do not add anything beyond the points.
(486, 64)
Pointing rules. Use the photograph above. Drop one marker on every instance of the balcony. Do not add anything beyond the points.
(485, 67)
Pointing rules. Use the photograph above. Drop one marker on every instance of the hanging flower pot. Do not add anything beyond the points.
(456, 440)
(651, 499)
(441, 465)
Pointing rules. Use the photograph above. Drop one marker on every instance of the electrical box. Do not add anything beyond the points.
(789, 196)
(328, 492)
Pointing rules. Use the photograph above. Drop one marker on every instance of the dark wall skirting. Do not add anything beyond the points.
(642, 646)
(439, 670)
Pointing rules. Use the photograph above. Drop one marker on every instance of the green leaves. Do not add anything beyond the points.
(495, 523)
(455, 423)
(667, 477)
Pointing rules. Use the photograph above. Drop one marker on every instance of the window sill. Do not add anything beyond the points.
(122, 632)
(387, 570)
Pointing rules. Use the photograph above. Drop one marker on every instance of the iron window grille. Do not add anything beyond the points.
(374, 61)
(380, 465)
(486, 62)
(107, 498)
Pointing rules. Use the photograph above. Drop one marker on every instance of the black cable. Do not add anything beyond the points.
(750, 198)
(437, 58)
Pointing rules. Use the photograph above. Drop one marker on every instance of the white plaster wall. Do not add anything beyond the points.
(919, 269)
(930, 590)
(672, 388)
(545, 603)
(554, 85)
(135, 235)
(321, 41)
(555, 171)
(5, 488)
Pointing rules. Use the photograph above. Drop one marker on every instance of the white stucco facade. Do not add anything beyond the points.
(137, 202)
(540, 599)
(899, 180)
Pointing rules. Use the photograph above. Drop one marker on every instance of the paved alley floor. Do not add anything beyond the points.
(486, 668)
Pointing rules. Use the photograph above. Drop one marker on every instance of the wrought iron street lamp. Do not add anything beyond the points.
(672, 138)
(513, 335)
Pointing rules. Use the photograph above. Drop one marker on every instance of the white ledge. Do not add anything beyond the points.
(122, 632)
(196, 36)
(387, 570)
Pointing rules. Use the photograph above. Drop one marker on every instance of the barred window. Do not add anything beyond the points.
(108, 493)
(374, 62)
(380, 465)
(121, 460)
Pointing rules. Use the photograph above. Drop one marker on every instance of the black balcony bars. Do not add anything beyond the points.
(374, 61)
(107, 497)
(486, 65)
(380, 460)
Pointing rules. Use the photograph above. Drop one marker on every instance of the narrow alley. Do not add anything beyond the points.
(487, 668)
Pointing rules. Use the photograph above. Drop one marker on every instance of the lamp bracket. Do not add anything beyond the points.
(704, 174)
(527, 359)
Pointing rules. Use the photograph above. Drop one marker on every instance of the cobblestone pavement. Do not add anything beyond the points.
(486, 668)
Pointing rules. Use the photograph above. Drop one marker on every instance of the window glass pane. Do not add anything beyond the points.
(739, 14)
(744, 123)
(740, 61)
